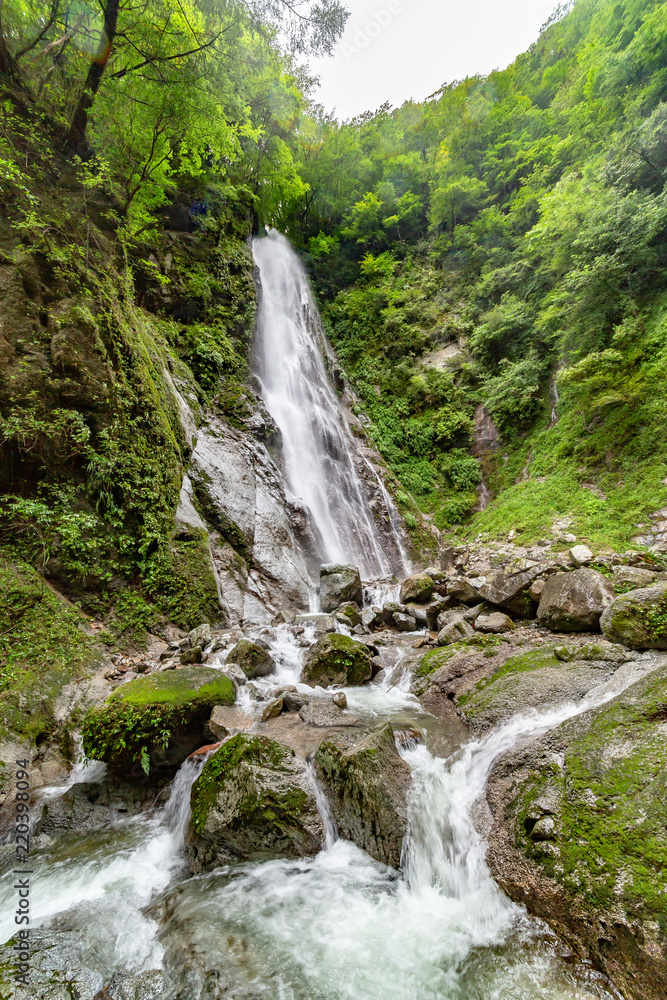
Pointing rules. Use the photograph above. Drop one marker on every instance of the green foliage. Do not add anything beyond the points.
(43, 645)
(147, 711)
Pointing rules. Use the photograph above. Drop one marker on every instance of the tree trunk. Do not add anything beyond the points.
(76, 138)
(6, 61)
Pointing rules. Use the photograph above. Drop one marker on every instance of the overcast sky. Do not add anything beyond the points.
(394, 50)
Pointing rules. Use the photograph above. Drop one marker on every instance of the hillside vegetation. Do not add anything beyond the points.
(522, 216)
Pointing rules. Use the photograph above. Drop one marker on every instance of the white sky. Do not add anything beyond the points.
(394, 50)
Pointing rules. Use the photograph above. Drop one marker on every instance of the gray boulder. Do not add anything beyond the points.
(253, 800)
(253, 659)
(574, 602)
(638, 619)
(404, 623)
(367, 783)
(91, 806)
(508, 587)
(496, 622)
(455, 631)
(338, 583)
(225, 721)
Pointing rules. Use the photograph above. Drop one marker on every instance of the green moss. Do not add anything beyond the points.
(43, 645)
(612, 824)
(483, 694)
(146, 712)
(437, 658)
(258, 750)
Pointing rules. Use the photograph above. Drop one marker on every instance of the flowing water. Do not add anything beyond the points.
(324, 466)
(339, 926)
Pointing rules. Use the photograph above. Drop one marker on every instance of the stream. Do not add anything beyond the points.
(340, 925)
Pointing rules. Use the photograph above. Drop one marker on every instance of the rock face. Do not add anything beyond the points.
(418, 588)
(139, 714)
(254, 800)
(253, 659)
(579, 834)
(638, 619)
(508, 588)
(323, 713)
(339, 583)
(257, 540)
(539, 678)
(573, 602)
(367, 783)
(337, 659)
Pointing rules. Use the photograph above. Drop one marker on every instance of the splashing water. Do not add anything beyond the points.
(321, 458)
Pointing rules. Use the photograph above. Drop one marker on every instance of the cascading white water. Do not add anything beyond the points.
(342, 927)
(320, 455)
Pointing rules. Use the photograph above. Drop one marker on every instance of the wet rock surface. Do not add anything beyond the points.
(337, 659)
(339, 583)
(253, 800)
(367, 783)
(579, 833)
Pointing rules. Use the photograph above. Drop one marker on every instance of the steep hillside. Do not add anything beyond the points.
(492, 266)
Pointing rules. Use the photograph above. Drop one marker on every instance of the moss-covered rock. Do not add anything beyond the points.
(580, 834)
(638, 619)
(418, 587)
(158, 718)
(337, 659)
(367, 782)
(254, 800)
(253, 659)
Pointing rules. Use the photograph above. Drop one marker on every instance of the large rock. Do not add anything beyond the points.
(91, 805)
(253, 659)
(337, 659)
(454, 631)
(538, 678)
(253, 800)
(579, 835)
(367, 783)
(339, 583)
(509, 587)
(162, 715)
(638, 619)
(418, 587)
(224, 721)
(258, 542)
(496, 622)
(573, 602)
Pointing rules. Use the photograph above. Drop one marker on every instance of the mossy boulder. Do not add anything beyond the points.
(339, 582)
(537, 678)
(161, 715)
(573, 602)
(337, 659)
(580, 834)
(367, 783)
(254, 800)
(418, 587)
(638, 619)
(253, 659)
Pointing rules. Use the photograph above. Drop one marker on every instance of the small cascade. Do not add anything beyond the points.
(321, 458)
(324, 809)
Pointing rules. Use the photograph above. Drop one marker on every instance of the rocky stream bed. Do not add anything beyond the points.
(451, 789)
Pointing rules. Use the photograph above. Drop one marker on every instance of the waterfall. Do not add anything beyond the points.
(321, 458)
